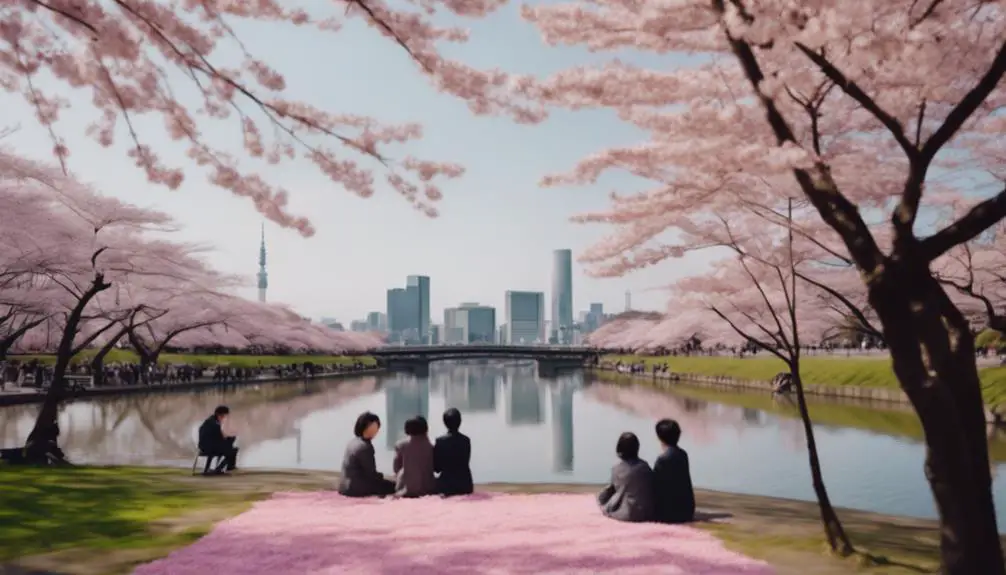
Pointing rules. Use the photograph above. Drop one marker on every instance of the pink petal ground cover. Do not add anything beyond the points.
(314, 533)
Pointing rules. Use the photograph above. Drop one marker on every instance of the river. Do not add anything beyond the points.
(526, 429)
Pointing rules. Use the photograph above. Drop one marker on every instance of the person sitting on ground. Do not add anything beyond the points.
(360, 477)
(413, 463)
(214, 443)
(629, 495)
(452, 456)
(674, 496)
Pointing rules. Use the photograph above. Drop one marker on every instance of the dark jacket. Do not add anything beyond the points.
(211, 436)
(413, 467)
(360, 477)
(672, 487)
(452, 456)
(629, 496)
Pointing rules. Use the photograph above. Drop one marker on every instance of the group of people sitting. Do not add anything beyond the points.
(635, 493)
(421, 468)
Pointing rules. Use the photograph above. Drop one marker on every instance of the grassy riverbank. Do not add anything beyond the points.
(208, 360)
(105, 520)
(884, 418)
(837, 371)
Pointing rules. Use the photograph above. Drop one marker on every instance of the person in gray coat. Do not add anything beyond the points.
(629, 496)
(360, 477)
(413, 463)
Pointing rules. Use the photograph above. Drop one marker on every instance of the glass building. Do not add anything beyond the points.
(562, 295)
(525, 317)
(420, 287)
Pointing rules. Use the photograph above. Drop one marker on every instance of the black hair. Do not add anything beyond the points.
(627, 447)
(416, 426)
(668, 432)
(364, 421)
(221, 410)
(452, 419)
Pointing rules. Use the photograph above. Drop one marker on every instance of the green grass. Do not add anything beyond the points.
(835, 371)
(45, 510)
(207, 360)
(106, 520)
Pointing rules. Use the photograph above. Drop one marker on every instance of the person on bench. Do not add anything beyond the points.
(360, 477)
(629, 495)
(452, 456)
(672, 479)
(213, 442)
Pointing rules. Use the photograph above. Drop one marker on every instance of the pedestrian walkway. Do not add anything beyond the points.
(483, 534)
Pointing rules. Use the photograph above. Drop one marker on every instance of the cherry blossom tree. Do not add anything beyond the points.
(856, 107)
(124, 55)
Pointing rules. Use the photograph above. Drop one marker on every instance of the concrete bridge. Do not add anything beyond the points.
(417, 359)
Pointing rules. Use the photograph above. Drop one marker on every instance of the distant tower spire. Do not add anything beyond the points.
(628, 299)
(263, 276)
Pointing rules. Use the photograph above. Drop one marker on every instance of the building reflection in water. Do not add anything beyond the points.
(524, 401)
(405, 397)
(472, 388)
(561, 401)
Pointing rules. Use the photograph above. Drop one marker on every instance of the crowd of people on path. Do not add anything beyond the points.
(35, 374)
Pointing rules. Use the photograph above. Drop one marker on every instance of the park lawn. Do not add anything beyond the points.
(208, 360)
(106, 520)
(835, 371)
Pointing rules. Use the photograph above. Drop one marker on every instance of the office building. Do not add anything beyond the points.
(562, 295)
(420, 287)
(377, 321)
(408, 313)
(435, 334)
(470, 323)
(359, 326)
(501, 334)
(399, 311)
(525, 317)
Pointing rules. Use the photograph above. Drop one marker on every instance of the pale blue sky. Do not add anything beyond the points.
(497, 227)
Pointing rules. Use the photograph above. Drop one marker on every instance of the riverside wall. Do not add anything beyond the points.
(27, 397)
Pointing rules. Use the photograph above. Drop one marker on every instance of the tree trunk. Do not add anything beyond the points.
(933, 356)
(98, 361)
(833, 530)
(46, 430)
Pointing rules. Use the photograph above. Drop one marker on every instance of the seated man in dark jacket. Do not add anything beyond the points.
(672, 480)
(213, 442)
(452, 456)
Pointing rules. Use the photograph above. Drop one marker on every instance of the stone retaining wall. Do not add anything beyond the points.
(864, 393)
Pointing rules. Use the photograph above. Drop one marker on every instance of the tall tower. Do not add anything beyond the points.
(562, 295)
(263, 276)
(628, 301)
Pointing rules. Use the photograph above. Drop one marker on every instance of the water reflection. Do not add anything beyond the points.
(526, 429)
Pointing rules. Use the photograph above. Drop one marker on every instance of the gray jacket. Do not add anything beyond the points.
(414, 467)
(629, 496)
(360, 477)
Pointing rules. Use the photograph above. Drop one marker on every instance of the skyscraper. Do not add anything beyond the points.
(420, 286)
(525, 317)
(263, 276)
(470, 323)
(562, 295)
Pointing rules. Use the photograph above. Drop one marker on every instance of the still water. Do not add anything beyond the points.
(525, 429)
